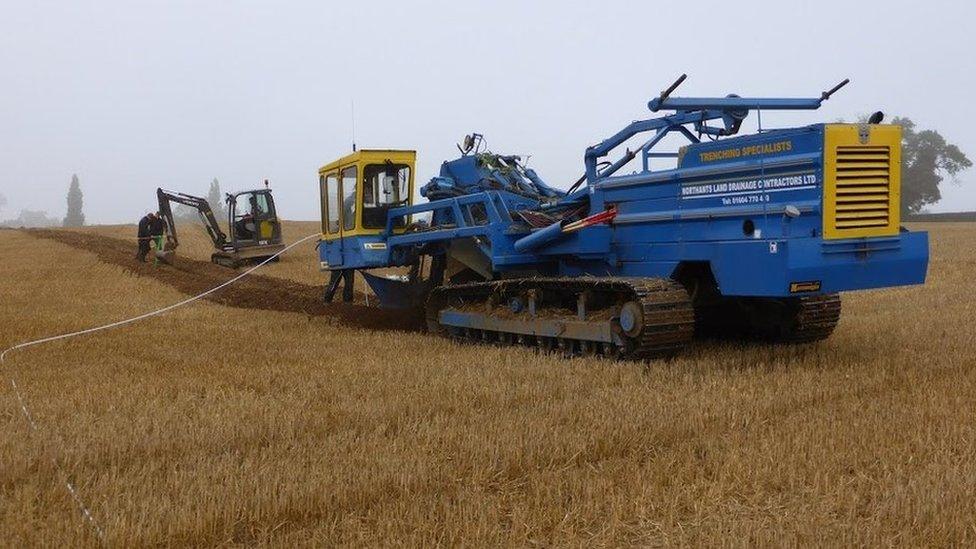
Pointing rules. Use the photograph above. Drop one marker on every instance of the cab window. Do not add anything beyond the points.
(251, 204)
(323, 205)
(261, 207)
(330, 208)
(384, 186)
(349, 198)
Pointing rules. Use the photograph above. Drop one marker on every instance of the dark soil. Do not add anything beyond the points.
(254, 291)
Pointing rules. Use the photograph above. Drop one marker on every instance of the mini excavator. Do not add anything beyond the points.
(254, 228)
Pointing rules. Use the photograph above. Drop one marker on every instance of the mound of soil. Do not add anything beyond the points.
(254, 291)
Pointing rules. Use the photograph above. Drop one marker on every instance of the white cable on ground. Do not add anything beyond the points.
(30, 419)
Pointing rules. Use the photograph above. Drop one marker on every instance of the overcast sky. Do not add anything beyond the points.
(135, 95)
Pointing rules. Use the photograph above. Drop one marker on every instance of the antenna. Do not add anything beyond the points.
(352, 111)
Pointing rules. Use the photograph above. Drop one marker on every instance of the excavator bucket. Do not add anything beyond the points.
(166, 254)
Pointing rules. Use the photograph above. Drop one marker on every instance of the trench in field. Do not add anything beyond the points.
(254, 291)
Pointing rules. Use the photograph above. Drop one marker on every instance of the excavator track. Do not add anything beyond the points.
(624, 318)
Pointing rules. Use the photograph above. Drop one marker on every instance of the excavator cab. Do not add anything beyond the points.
(251, 219)
(253, 227)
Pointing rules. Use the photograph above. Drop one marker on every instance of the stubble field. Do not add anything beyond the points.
(247, 420)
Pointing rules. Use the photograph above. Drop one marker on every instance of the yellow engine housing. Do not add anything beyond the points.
(862, 180)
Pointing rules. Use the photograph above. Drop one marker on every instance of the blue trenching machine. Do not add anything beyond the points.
(746, 235)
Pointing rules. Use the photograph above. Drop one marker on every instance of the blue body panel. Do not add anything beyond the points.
(767, 267)
(749, 207)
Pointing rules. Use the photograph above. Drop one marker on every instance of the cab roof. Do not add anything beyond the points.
(371, 155)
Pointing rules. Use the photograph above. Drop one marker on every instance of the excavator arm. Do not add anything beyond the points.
(200, 205)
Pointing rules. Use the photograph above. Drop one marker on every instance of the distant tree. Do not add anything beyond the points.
(74, 216)
(3, 201)
(185, 213)
(926, 159)
(216, 199)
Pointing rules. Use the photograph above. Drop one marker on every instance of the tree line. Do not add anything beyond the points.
(926, 160)
(75, 215)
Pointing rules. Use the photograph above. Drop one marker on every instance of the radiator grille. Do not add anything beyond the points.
(862, 180)
(863, 187)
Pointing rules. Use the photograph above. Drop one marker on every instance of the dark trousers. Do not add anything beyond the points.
(344, 276)
(143, 248)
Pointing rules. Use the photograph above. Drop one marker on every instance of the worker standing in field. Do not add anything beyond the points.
(347, 278)
(150, 227)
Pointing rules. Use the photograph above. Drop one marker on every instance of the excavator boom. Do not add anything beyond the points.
(200, 205)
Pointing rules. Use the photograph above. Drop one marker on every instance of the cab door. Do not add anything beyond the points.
(266, 219)
(240, 221)
(347, 208)
(349, 185)
(331, 218)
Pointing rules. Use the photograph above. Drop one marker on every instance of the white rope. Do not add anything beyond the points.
(30, 418)
(159, 311)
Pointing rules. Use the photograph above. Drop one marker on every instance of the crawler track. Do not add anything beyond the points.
(789, 320)
(815, 319)
(575, 316)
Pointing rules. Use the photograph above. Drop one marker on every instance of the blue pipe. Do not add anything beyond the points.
(540, 237)
(734, 103)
